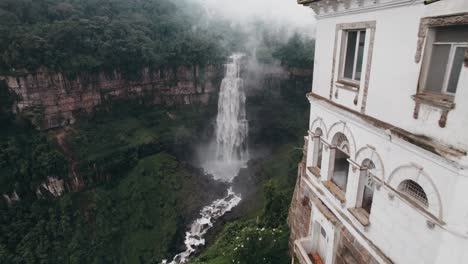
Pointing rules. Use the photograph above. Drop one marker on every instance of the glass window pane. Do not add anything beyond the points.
(319, 156)
(456, 69)
(341, 168)
(367, 197)
(362, 39)
(451, 34)
(437, 68)
(349, 56)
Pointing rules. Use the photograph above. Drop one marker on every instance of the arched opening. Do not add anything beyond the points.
(339, 161)
(318, 149)
(366, 186)
(413, 192)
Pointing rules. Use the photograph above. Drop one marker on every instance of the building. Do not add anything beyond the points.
(384, 178)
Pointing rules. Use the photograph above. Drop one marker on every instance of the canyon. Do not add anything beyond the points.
(52, 99)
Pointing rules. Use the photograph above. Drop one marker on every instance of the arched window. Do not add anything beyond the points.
(318, 149)
(339, 161)
(413, 191)
(366, 186)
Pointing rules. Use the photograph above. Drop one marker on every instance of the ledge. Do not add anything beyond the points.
(361, 215)
(315, 171)
(348, 85)
(437, 100)
(335, 190)
(306, 2)
(325, 211)
(441, 101)
(418, 140)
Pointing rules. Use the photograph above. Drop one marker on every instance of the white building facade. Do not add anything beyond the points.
(384, 177)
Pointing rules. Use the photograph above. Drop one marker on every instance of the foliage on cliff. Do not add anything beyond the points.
(27, 158)
(114, 138)
(136, 221)
(89, 35)
(260, 236)
(137, 217)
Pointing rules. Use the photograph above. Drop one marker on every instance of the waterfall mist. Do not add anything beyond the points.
(231, 125)
(230, 156)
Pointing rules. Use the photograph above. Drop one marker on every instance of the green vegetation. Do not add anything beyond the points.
(297, 52)
(90, 35)
(138, 198)
(74, 36)
(138, 220)
(27, 158)
(262, 235)
(117, 136)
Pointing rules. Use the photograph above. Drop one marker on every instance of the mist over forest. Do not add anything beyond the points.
(104, 105)
(86, 35)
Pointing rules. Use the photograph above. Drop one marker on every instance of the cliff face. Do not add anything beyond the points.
(52, 100)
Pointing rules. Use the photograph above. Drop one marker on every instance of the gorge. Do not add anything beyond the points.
(112, 113)
(230, 156)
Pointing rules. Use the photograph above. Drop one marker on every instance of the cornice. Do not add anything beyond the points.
(333, 8)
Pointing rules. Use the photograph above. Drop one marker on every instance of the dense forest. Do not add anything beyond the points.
(139, 190)
(125, 35)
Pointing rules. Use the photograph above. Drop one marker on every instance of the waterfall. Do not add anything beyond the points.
(231, 155)
(232, 127)
(231, 123)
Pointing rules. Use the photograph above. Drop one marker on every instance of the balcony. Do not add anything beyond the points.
(303, 252)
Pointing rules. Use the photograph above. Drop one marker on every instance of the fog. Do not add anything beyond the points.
(275, 13)
(262, 25)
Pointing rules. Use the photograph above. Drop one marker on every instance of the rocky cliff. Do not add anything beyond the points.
(52, 99)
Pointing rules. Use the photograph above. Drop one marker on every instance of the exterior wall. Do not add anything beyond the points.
(395, 222)
(369, 114)
(394, 74)
(299, 212)
(349, 250)
(343, 246)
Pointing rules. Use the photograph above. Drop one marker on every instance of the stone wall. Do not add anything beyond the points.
(350, 251)
(53, 100)
(299, 211)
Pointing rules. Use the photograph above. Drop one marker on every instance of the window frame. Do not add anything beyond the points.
(343, 53)
(341, 144)
(427, 60)
(318, 152)
(405, 190)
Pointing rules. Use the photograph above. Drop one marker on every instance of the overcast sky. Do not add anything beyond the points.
(277, 12)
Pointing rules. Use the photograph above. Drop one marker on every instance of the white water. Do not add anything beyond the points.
(231, 155)
(232, 127)
(194, 237)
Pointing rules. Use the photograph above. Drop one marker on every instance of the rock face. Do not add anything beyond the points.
(52, 100)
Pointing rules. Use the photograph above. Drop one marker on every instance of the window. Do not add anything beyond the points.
(444, 56)
(340, 161)
(366, 186)
(413, 191)
(352, 55)
(318, 149)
